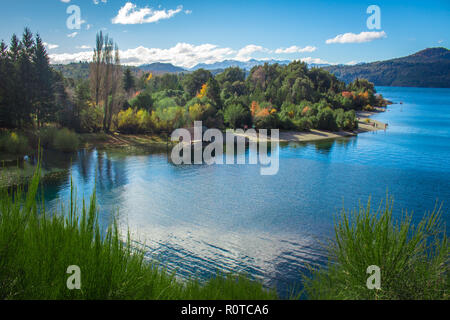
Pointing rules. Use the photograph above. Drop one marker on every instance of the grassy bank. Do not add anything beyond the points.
(15, 145)
(123, 141)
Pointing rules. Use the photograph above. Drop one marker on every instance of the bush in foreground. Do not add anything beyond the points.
(414, 260)
(14, 143)
(65, 140)
(36, 249)
(58, 139)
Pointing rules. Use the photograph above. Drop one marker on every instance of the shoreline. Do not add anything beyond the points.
(116, 141)
(365, 124)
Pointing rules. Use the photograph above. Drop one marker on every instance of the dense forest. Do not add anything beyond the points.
(427, 68)
(34, 95)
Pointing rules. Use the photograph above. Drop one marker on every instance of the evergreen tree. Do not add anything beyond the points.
(25, 86)
(43, 97)
(213, 92)
(12, 81)
(14, 49)
(5, 112)
(128, 82)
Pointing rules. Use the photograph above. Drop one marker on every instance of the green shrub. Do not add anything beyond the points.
(128, 121)
(14, 143)
(236, 116)
(326, 120)
(303, 124)
(46, 136)
(414, 260)
(268, 122)
(143, 100)
(133, 121)
(165, 103)
(91, 119)
(65, 140)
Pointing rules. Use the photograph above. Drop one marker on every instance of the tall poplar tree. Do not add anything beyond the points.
(96, 68)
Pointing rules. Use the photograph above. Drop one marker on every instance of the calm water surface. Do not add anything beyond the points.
(200, 219)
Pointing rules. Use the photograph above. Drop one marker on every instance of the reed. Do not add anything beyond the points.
(413, 259)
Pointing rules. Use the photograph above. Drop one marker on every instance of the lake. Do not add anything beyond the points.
(200, 219)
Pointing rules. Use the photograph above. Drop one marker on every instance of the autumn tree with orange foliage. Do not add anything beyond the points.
(203, 91)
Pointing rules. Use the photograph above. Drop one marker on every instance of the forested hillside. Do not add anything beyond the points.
(427, 68)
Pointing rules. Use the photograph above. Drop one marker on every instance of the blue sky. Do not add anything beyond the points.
(186, 32)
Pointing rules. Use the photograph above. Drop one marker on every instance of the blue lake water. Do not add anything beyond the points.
(200, 219)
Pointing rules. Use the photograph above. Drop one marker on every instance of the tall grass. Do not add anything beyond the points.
(36, 249)
(414, 260)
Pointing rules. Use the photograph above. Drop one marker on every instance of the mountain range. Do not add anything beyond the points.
(246, 65)
(426, 68)
(161, 68)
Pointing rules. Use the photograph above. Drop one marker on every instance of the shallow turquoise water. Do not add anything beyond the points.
(199, 219)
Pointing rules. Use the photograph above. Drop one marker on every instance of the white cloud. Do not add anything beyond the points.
(65, 1)
(246, 52)
(311, 60)
(130, 14)
(65, 58)
(97, 1)
(72, 35)
(182, 54)
(84, 47)
(357, 38)
(295, 49)
(51, 46)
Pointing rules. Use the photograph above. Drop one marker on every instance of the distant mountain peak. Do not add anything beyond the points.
(432, 52)
(161, 67)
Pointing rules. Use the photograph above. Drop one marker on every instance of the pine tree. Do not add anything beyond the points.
(27, 83)
(5, 114)
(128, 82)
(12, 82)
(43, 95)
(26, 77)
(14, 49)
